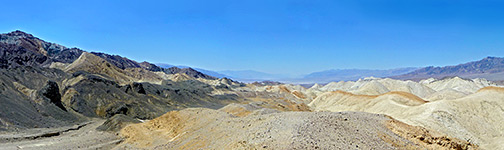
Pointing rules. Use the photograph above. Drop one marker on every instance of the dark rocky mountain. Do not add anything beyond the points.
(123, 63)
(491, 68)
(32, 94)
(13, 56)
(30, 99)
(151, 67)
(120, 62)
(21, 49)
(204, 71)
(67, 55)
(189, 71)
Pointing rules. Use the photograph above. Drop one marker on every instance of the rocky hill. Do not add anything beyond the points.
(47, 85)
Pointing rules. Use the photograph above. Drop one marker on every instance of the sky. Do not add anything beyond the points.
(274, 36)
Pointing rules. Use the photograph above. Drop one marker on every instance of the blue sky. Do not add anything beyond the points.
(287, 37)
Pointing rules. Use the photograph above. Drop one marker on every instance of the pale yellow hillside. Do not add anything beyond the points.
(477, 117)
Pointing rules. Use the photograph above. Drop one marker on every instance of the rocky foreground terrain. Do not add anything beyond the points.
(268, 129)
(53, 97)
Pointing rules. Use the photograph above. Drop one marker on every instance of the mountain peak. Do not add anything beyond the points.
(19, 33)
(191, 69)
(491, 58)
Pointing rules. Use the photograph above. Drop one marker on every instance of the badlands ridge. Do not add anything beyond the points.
(447, 113)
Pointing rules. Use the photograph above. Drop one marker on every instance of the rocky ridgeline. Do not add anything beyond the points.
(44, 84)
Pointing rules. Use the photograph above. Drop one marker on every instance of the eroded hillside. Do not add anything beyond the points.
(52, 94)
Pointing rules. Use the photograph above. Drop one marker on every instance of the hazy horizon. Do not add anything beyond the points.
(294, 38)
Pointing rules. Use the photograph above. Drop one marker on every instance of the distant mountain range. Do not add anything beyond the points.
(315, 77)
(251, 75)
(239, 75)
(490, 68)
(352, 74)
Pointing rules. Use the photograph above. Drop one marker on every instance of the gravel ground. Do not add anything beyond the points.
(76, 137)
(199, 128)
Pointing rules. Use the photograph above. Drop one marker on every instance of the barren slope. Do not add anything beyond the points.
(198, 128)
(477, 118)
